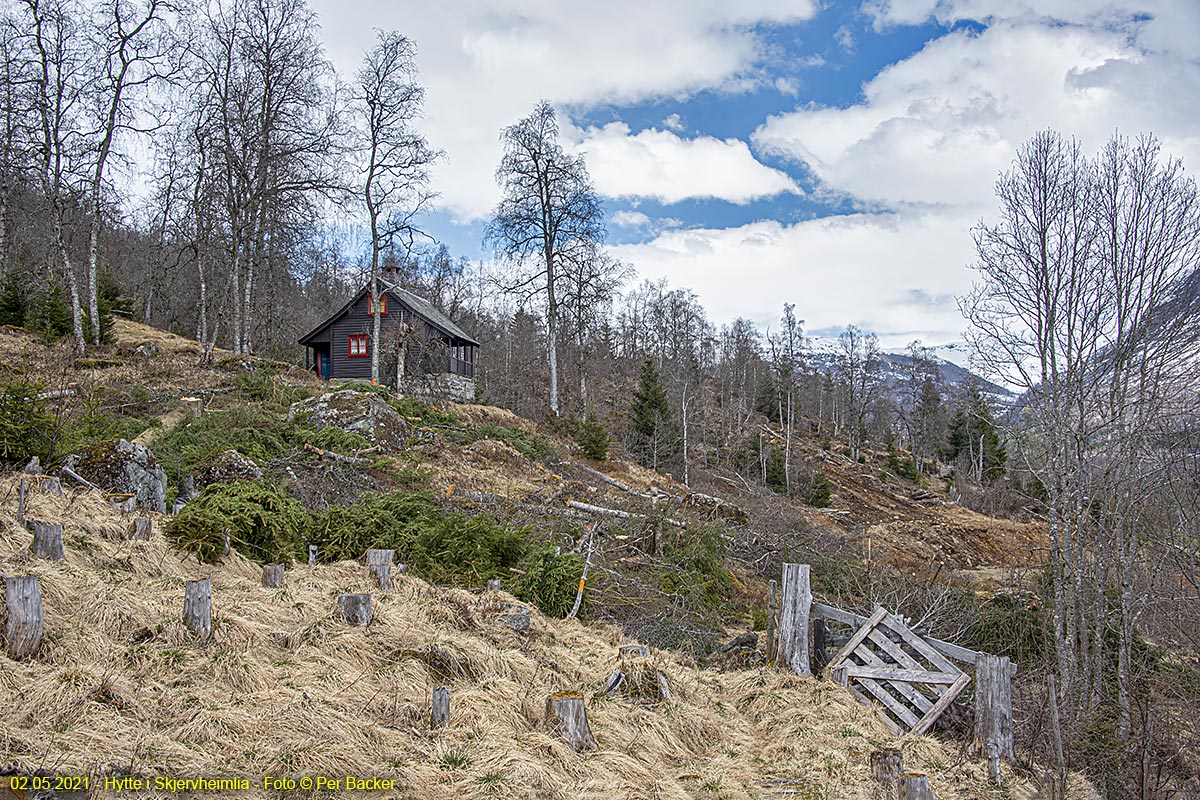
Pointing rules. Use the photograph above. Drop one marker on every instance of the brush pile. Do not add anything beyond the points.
(284, 687)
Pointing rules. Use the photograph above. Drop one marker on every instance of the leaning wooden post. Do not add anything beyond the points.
(567, 717)
(441, 707)
(197, 607)
(772, 615)
(915, 786)
(793, 618)
(142, 527)
(356, 608)
(379, 564)
(47, 539)
(272, 576)
(23, 631)
(21, 503)
(993, 712)
(886, 766)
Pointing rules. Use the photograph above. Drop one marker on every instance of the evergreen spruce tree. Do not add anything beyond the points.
(592, 438)
(653, 433)
(971, 428)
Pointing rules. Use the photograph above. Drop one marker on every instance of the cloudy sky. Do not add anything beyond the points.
(830, 153)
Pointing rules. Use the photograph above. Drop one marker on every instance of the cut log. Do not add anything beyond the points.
(793, 618)
(335, 456)
(141, 529)
(23, 630)
(47, 539)
(379, 564)
(197, 607)
(441, 707)
(886, 766)
(70, 473)
(615, 512)
(356, 608)
(272, 576)
(567, 718)
(915, 786)
(993, 735)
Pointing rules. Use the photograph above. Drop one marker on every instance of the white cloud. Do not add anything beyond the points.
(669, 168)
(845, 38)
(631, 219)
(485, 64)
(938, 127)
(893, 274)
(674, 123)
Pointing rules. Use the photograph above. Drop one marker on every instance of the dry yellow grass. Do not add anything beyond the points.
(285, 688)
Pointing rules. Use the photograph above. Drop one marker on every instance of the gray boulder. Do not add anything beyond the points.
(363, 413)
(122, 467)
(228, 467)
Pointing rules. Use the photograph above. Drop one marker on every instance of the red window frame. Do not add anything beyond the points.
(383, 305)
(364, 345)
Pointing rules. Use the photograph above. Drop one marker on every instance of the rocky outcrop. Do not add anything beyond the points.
(363, 413)
(228, 467)
(121, 467)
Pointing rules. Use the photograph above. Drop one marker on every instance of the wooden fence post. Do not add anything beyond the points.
(142, 528)
(47, 539)
(915, 786)
(23, 631)
(197, 607)
(820, 645)
(21, 503)
(793, 618)
(993, 735)
(356, 608)
(379, 563)
(272, 576)
(441, 707)
(772, 616)
(886, 766)
(567, 717)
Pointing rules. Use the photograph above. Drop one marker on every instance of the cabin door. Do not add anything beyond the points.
(323, 362)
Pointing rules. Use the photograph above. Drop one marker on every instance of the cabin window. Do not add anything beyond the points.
(356, 345)
(382, 305)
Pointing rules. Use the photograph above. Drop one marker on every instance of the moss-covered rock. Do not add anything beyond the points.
(119, 466)
(227, 467)
(363, 413)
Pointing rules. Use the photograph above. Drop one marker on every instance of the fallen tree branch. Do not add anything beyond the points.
(613, 512)
(335, 456)
(597, 474)
(70, 473)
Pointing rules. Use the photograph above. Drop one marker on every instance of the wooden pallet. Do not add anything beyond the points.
(886, 662)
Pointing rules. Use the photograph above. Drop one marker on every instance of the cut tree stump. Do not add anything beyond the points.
(993, 735)
(356, 608)
(915, 786)
(567, 717)
(493, 584)
(21, 503)
(197, 607)
(772, 616)
(47, 539)
(886, 766)
(634, 651)
(272, 576)
(614, 681)
(441, 707)
(793, 618)
(142, 527)
(312, 555)
(23, 631)
(379, 564)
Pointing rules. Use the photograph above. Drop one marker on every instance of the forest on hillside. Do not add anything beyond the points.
(210, 173)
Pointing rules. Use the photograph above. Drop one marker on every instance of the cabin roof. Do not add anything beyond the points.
(420, 306)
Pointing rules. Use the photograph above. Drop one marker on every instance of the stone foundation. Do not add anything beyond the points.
(446, 386)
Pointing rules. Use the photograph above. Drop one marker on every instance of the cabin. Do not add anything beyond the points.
(422, 350)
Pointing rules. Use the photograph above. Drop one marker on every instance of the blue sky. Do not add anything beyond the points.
(830, 154)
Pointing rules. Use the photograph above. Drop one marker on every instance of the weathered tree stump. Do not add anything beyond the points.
(993, 735)
(400, 569)
(312, 555)
(356, 608)
(51, 485)
(793, 618)
(493, 584)
(141, 530)
(124, 503)
(272, 576)
(772, 616)
(567, 717)
(194, 405)
(614, 681)
(633, 651)
(21, 503)
(177, 507)
(915, 786)
(47, 539)
(441, 707)
(664, 688)
(23, 631)
(197, 607)
(886, 766)
(379, 564)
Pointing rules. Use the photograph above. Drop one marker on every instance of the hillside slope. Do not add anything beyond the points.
(285, 688)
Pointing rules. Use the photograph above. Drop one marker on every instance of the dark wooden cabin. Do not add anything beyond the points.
(340, 347)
